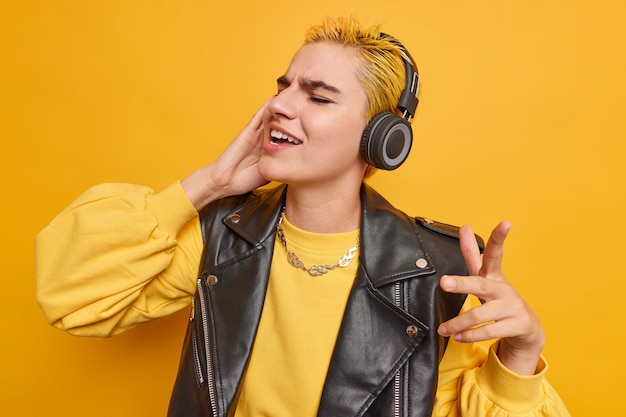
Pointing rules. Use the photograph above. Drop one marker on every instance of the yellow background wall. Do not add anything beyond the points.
(521, 117)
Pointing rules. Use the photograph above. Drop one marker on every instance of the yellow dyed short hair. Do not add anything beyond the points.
(381, 72)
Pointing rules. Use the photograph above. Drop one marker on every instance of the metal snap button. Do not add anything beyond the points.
(235, 218)
(211, 280)
(412, 331)
(421, 263)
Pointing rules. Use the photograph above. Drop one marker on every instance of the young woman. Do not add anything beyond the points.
(315, 297)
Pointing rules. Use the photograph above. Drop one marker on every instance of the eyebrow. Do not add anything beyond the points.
(308, 83)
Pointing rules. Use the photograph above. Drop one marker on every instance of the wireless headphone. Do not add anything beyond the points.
(387, 138)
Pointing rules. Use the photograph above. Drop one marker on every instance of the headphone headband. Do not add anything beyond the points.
(408, 99)
(387, 138)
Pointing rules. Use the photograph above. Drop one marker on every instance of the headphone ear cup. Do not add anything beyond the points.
(386, 141)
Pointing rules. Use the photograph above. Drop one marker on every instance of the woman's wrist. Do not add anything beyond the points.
(521, 361)
(200, 188)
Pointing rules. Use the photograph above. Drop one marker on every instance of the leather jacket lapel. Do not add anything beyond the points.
(377, 335)
(234, 272)
(373, 344)
(390, 244)
(256, 219)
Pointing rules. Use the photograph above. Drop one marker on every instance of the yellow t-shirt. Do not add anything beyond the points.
(298, 328)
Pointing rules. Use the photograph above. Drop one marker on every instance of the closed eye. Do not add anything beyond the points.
(320, 100)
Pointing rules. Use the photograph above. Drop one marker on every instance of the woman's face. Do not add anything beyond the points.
(313, 126)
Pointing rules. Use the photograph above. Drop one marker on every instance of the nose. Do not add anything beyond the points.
(283, 104)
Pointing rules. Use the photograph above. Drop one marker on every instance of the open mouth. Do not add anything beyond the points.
(278, 137)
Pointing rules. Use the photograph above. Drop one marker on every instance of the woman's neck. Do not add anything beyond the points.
(323, 212)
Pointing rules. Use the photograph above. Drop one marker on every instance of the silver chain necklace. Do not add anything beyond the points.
(315, 270)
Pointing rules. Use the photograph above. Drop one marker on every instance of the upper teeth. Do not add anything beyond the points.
(280, 135)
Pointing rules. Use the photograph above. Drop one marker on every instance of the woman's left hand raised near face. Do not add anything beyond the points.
(503, 314)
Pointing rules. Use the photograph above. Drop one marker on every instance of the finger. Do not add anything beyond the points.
(470, 250)
(494, 251)
(475, 317)
(495, 330)
(256, 122)
(484, 289)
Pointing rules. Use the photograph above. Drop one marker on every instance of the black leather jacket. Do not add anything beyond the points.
(385, 362)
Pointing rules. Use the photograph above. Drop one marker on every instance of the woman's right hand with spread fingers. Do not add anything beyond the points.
(234, 172)
(504, 314)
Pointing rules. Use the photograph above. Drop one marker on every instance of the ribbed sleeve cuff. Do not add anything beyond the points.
(507, 389)
(172, 208)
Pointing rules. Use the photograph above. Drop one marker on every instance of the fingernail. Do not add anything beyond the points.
(458, 337)
(443, 330)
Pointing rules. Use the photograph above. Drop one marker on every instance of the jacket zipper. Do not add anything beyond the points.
(196, 354)
(396, 381)
(396, 395)
(209, 368)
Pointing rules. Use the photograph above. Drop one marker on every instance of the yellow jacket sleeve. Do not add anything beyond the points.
(118, 256)
(473, 382)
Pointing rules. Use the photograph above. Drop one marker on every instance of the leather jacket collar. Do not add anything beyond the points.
(256, 221)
